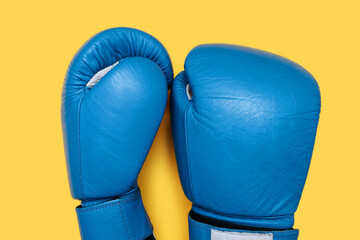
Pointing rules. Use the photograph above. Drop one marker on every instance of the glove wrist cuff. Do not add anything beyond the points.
(115, 219)
(204, 231)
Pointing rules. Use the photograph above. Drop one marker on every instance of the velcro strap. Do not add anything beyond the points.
(122, 218)
(202, 231)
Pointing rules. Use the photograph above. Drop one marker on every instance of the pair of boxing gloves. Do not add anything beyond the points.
(243, 122)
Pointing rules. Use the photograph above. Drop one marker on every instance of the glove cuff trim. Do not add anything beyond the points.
(273, 222)
(228, 225)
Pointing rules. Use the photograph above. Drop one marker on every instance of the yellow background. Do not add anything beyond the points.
(39, 38)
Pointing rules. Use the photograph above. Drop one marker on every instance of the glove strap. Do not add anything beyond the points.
(121, 218)
(203, 231)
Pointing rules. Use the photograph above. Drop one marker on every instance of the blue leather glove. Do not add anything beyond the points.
(244, 123)
(113, 101)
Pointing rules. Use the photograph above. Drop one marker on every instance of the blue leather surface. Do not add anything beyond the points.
(108, 129)
(244, 141)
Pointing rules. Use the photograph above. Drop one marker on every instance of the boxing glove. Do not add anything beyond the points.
(244, 123)
(113, 101)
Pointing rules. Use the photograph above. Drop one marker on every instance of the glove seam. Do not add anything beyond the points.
(187, 152)
(119, 202)
(79, 148)
(123, 217)
(247, 217)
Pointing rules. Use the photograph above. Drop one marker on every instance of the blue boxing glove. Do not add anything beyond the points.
(113, 101)
(244, 123)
